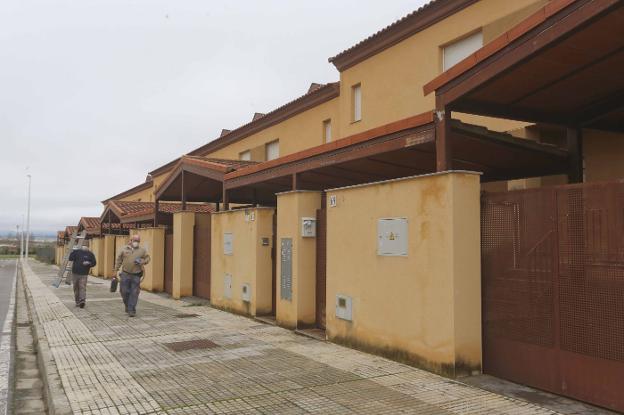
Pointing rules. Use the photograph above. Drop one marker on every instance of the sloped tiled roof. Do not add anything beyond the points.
(314, 96)
(497, 44)
(418, 20)
(69, 231)
(129, 209)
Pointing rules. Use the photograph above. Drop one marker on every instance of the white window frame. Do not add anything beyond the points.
(270, 147)
(245, 155)
(327, 131)
(356, 94)
(460, 49)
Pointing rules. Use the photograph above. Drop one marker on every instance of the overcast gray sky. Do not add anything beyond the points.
(96, 93)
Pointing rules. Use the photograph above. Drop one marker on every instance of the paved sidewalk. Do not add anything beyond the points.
(112, 364)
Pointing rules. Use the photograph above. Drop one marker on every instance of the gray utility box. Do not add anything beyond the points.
(227, 286)
(228, 243)
(392, 237)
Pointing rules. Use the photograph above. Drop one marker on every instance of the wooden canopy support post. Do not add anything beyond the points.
(444, 151)
(575, 154)
(226, 200)
(183, 198)
(295, 181)
(110, 227)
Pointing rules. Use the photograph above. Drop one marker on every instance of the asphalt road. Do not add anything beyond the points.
(7, 273)
(7, 278)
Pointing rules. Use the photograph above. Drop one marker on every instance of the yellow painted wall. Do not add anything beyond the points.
(300, 311)
(58, 257)
(96, 245)
(295, 134)
(120, 243)
(183, 237)
(250, 262)
(153, 240)
(424, 308)
(147, 195)
(109, 256)
(392, 80)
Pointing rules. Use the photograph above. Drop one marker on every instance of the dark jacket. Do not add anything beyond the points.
(78, 257)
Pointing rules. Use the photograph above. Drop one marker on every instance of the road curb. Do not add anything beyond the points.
(54, 393)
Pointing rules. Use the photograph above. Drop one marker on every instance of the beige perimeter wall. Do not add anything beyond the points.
(423, 308)
(250, 261)
(153, 240)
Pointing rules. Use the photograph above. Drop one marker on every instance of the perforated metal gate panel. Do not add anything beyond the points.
(286, 269)
(553, 289)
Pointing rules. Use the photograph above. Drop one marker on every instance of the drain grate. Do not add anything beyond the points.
(186, 315)
(191, 344)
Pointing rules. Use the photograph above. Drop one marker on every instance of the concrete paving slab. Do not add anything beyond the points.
(110, 363)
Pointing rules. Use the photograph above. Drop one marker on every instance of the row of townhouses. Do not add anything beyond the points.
(454, 201)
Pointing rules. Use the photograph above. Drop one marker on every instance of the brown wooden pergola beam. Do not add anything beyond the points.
(395, 141)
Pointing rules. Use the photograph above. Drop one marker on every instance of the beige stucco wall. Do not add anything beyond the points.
(96, 245)
(183, 237)
(392, 80)
(120, 243)
(300, 311)
(250, 262)
(423, 308)
(153, 240)
(147, 195)
(58, 254)
(109, 256)
(297, 133)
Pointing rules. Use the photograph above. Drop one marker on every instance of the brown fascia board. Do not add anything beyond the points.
(417, 21)
(142, 186)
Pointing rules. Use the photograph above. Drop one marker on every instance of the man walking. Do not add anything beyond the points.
(82, 261)
(131, 260)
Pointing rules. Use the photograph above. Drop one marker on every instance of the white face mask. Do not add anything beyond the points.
(85, 248)
(135, 244)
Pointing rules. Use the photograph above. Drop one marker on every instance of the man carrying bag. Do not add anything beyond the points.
(131, 260)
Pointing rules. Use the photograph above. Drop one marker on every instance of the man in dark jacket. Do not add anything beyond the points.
(83, 260)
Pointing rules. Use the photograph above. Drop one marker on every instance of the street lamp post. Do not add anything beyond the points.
(28, 218)
(17, 241)
(22, 240)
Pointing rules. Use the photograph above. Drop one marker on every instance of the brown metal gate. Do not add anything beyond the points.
(553, 289)
(201, 260)
(169, 262)
(321, 263)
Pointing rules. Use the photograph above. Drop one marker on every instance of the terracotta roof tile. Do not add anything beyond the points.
(130, 209)
(314, 96)
(401, 29)
(497, 44)
(411, 122)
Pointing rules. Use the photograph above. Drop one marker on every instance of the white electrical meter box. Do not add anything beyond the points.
(332, 201)
(344, 308)
(392, 237)
(227, 286)
(246, 293)
(308, 227)
(228, 243)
